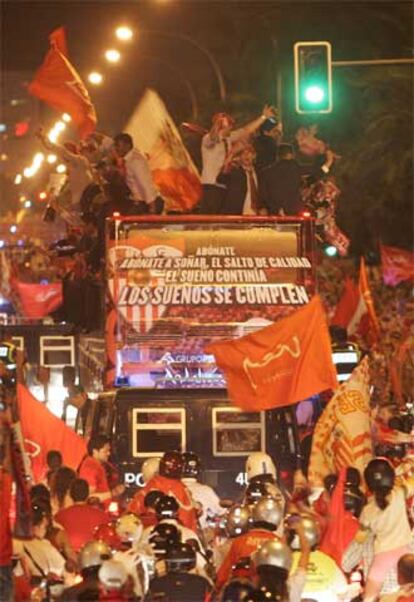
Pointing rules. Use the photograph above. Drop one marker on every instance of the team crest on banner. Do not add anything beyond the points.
(342, 435)
(128, 287)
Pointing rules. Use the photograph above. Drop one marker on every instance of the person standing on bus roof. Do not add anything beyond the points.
(168, 481)
(92, 469)
(215, 147)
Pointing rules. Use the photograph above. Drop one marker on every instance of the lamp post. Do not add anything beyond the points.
(186, 82)
(185, 38)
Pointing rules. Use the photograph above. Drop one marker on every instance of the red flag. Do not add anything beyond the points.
(43, 431)
(365, 319)
(39, 300)
(397, 265)
(347, 304)
(355, 310)
(342, 525)
(280, 364)
(60, 86)
(58, 39)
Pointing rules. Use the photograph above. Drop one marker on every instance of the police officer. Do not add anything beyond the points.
(179, 584)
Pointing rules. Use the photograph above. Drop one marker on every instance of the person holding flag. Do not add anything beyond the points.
(59, 85)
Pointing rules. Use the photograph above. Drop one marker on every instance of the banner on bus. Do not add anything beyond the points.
(174, 289)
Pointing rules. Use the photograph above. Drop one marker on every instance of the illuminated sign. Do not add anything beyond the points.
(172, 289)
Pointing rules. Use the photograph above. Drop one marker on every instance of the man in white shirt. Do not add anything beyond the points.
(80, 174)
(137, 174)
(215, 147)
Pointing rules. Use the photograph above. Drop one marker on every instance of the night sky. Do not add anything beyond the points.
(239, 34)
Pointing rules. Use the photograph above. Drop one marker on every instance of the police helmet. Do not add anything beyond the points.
(93, 554)
(192, 465)
(171, 465)
(310, 527)
(180, 557)
(113, 575)
(237, 520)
(166, 507)
(237, 590)
(273, 553)
(379, 474)
(150, 468)
(129, 527)
(267, 510)
(259, 463)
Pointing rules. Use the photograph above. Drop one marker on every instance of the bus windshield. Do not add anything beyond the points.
(176, 284)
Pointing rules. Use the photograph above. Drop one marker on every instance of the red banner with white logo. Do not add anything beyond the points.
(39, 300)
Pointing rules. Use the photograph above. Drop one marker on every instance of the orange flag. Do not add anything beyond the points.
(43, 431)
(59, 85)
(281, 364)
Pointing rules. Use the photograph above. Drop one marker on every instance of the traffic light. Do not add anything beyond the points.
(313, 77)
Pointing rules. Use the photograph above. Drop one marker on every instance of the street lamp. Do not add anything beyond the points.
(95, 78)
(112, 55)
(124, 33)
(185, 38)
(181, 76)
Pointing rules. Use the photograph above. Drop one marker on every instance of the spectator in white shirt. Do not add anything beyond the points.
(215, 147)
(80, 174)
(137, 174)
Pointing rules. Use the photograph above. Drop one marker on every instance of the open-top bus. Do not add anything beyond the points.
(175, 284)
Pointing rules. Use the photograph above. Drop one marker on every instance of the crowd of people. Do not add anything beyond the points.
(176, 540)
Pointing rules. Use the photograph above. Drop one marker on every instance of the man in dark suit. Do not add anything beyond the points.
(241, 184)
(281, 182)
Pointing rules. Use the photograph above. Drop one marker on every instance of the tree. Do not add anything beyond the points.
(376, 170)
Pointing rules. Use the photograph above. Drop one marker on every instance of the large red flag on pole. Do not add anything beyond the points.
(281, 364)
(43, 431)
(355, 310)
(59, 85)
(397, 265)
(342, 525)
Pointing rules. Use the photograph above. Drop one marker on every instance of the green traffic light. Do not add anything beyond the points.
(314, 94)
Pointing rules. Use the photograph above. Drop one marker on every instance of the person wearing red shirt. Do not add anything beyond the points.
(92, 469)
(266, 515)
(81, 519)
(168, 482)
